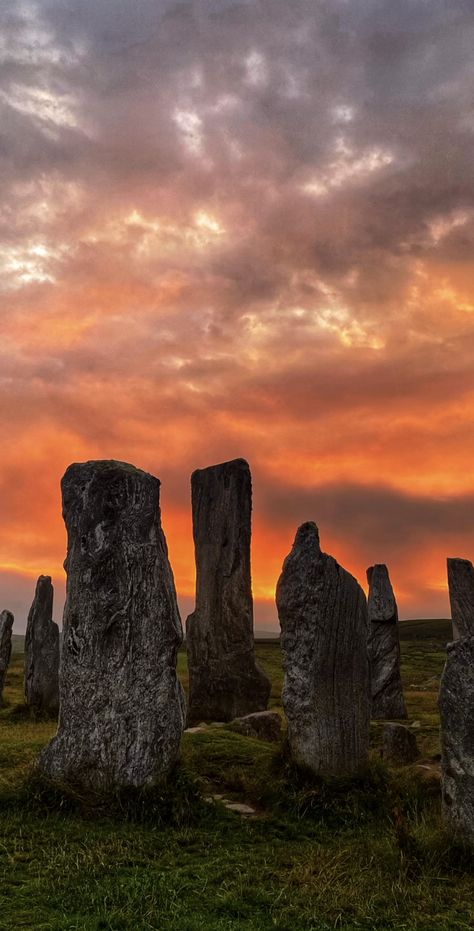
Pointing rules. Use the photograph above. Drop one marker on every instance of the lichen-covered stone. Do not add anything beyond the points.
(265, 725)
(42, 653)
(461, 596)
(6, 624)
(225, 681)
(326, 692)
(121, 705)
(456, 705)
(399, 745)
(384, 647)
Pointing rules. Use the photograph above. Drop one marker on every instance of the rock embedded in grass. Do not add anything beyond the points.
(461, 596)
(6, 624)
(384, 647)
(265, 725)
(326, 692)
(399, 745)
(225, 681)
(121, 705)
(42, 653)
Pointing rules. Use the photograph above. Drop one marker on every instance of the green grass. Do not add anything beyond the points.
(370, 855)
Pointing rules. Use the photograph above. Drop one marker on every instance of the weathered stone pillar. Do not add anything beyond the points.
(225, 681)
(121, 705)
(456, 705)
(42, 653)
(461, 597)
(6, 624)
(326, 692)
(384, 647)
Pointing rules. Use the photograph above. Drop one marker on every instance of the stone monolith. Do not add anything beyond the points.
(225, 681)
(456, 705)
(121, 705)
(399, 745)
(6, 624)
(326, 691)
(384, 647)
(461, 596)
(42, 653)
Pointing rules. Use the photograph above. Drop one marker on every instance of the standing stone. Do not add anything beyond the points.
(225, 681)
(456, 705)
(461, 596)
(121, 705)
(384, 647)
(399, 745)
(326, 691)
(42, 653)
(6, 624)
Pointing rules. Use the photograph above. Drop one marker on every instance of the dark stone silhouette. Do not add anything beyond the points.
(266, 725)
(456, 706)
(122, 706)
(225, 681)
(384, 647)
(6, 624)
(42, 653)
(461, 596)
(399, 745)
(326, 692)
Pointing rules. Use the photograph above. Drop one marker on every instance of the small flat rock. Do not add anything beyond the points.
(265, 725)
(399, 745)
(196, 730)
(240, 808)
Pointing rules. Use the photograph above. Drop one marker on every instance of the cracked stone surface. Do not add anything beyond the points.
(42, 653)
(326, 692)
(225, 681)
(461, 596)
(384, 647)
(6, 624)
(121, 705)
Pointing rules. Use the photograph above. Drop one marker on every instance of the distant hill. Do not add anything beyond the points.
(439, 628)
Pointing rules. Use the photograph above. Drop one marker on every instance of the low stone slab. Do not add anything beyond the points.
(265, 725)
(399, 745)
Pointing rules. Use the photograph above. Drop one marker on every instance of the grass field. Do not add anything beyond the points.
(367, 856)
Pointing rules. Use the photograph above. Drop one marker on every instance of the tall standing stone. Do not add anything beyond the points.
(225, 681)
(461, 596)
(6, 624)
(384, 647)
(326, 691)
(456, 705)
(42, 653)
(121, 705)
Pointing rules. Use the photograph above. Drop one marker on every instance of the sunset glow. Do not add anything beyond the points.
(241, 235)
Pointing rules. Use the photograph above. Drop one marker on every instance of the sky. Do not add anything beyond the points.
(241, 229)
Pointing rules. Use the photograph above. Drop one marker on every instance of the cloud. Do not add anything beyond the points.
(242, 229)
